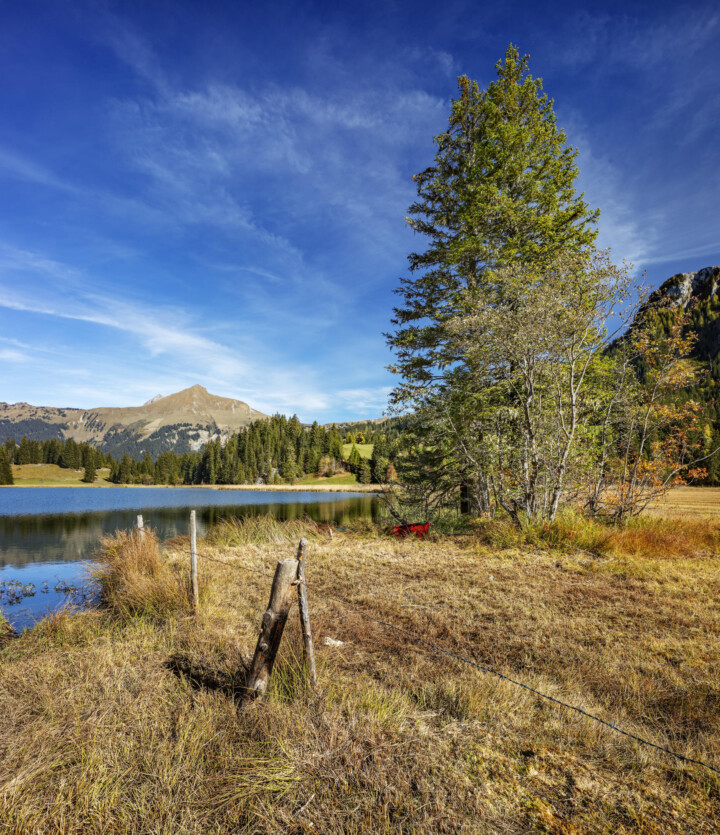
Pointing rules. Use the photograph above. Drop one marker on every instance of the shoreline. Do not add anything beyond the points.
(282, 488)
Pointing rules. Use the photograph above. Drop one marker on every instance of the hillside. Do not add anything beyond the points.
(698, 295)
(183, 421)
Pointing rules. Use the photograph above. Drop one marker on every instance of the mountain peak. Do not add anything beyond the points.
(698, 295)
(195, 397)
(682, 288)
(181, 421)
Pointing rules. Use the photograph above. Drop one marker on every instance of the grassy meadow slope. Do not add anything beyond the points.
(125, 719)
(365, 450)
(50, 475)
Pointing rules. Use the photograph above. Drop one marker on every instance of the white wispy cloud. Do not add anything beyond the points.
(365, 401)
(650, 163)
(11, 355)
(624, 227)
(166, 336)
(22, 167)
(608, 41)
(205, 150)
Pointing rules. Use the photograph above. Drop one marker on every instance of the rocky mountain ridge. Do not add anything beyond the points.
(684, 289)
(698, 294)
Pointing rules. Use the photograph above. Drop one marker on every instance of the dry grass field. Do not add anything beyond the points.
(125, 719)
(689, 501)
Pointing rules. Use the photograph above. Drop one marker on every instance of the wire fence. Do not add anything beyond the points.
(482, 667)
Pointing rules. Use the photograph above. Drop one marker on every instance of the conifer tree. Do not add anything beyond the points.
(6, 473)
(379, 460)
(90, 473)
(125, 471)
(498, 200)
(289, 468)
(354, 457)
(51, 452)
(334, 444)
(364, 475)
(500, 194)
(10, 450)
(23, 453)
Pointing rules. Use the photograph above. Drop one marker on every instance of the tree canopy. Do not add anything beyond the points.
(499, 194)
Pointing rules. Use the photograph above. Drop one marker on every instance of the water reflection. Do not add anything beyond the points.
(50, 550)
(68, 537)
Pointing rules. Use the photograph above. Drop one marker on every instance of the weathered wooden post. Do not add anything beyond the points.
(273, 624)
(193, 562)
(140, 526)
(308, 653)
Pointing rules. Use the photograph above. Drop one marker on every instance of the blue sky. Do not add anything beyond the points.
(215, 192)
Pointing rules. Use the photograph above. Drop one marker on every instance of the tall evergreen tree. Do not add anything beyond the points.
(364, 474)
(354, 458)
(499, 199)
(126, 469)
(23, 453)
(90, 474)
(6, 473)
(501, 193)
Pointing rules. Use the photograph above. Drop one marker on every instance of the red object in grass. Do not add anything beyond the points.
(418, 530)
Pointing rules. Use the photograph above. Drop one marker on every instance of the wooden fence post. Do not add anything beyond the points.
(193, 562)
(308, 653)
(273, 624)
(140, 526)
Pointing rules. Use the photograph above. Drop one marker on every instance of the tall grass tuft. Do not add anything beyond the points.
(6, 630)
(134, 579)
(261, 530)
(641, 537)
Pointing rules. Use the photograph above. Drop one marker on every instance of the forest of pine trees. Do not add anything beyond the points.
(274, 451)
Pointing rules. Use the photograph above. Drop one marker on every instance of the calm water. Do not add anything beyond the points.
(48, 533)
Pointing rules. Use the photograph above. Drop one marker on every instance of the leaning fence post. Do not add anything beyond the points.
(193, 562)
(308, 653)
(273, 624)
(140, 526)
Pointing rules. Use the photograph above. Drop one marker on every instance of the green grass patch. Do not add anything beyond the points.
(50, 475)
(341, 478)
(365, 450)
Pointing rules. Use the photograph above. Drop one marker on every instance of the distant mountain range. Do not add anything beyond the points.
(187, 420)
(184, 422)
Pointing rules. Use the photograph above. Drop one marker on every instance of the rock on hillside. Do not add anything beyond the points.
(698, 293)
(685, 288)
(182, 421)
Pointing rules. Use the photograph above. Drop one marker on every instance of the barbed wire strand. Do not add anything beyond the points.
(489, 670)
(482, 667)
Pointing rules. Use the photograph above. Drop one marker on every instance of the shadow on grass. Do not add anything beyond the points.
(205, 677)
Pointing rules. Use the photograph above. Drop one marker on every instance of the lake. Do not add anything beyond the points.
(47, 534)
